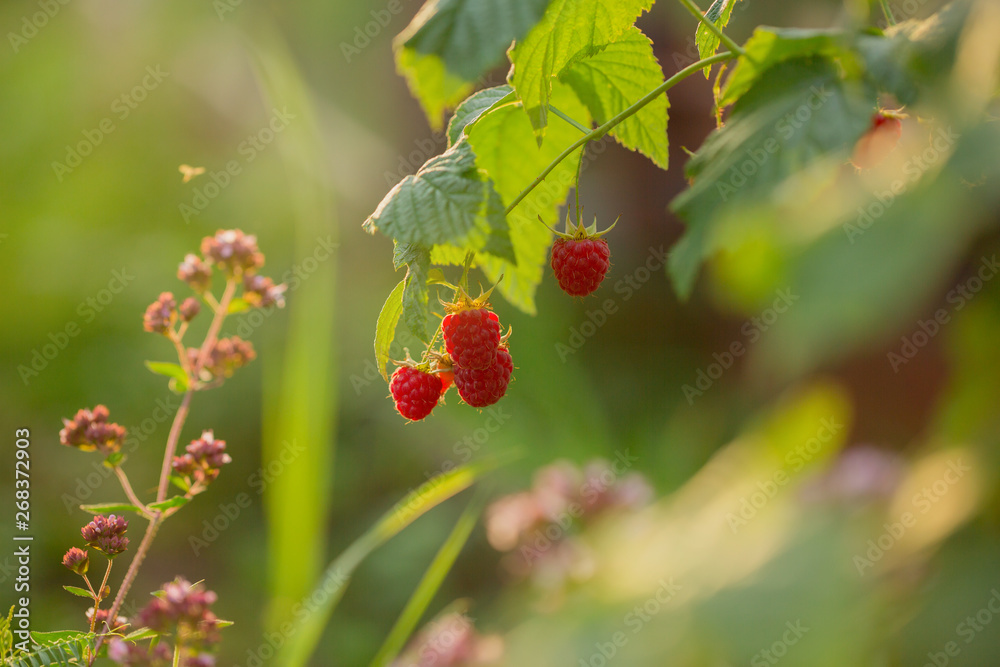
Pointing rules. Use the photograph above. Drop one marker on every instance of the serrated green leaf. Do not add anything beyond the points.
(447, 201)
(385, 329)
(109, 508)
(451, 43)
(503, 140)
(473, 107)
(141, 633)
(172, 371)
(763, 143)
(170, 503)
(613, 79)
(56, 636)
(81, 592)
(770, 46)
(416, 295)
(718, 13)
(68, 651)
(569, 30)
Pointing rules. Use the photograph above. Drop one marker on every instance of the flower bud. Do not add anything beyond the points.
(261, 292)
(233, 251)
(106, 534)
(189, 309)
(195, 272)
(160, 314)
(90, 430)
(77, 560)
(228, 355)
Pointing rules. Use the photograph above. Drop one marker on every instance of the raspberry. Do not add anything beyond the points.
(580, 265)
(480, 388)
(414, 392)
(472, 337)
(881, 139)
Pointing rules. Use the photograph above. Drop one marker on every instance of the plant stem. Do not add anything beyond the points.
(100, 591)
(182, 356)
(572, 121)
(177, 654)
(213, 330)
(730, 44)
(887, 10)
(627, 113)
(576, 190)
(123, 478)
(168, 453)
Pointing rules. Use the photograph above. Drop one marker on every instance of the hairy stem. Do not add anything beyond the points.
(182, 357)
(134, 499)
(168, 453)
(569, 119)
(730, 44)
(887, 10)
(613, 122)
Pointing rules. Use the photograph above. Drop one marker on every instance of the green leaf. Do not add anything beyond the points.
(472, 108)
(82, 592)
(613, 79)
(447, 201)
(140, 634)
(238, 305)
(180, 483)
(114, 459)
(179, 379)
(912, 57)
(796, 113)
(429, 585)
(415, 294)
(570, 30)
(220, 623)
(110, 508)
(770, 46)
(505, 148)
(385, 329)
(451, 43)
(65, 647)
(718, 13)
(6, 637)
(435, 87)
(170, 503)
(300, 645)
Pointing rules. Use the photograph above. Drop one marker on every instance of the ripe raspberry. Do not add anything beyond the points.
(471, 337)
(881, 139)
(580, 265)
(414, 392)
(480, 388)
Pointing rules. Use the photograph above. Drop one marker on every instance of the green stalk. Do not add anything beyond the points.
(600, 131)
(887, 10)
(569, 119)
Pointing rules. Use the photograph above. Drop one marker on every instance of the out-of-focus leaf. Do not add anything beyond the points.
(473, 107)
(385, 329)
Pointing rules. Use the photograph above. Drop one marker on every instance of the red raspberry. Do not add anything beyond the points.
(580, 265)
(414, 392)
(480, 388)
(472, 337)
(881, 139)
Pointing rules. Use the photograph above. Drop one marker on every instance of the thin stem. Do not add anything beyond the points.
(89, 587)
(182, 356)
(104, 582)
(579, 170)
(627, 113)
(730, 44)
(133, 570)
(572, 121)
(887, 10)
(177, 654)
(134, 499)
(213, 329)
(98, 596)
(168, 453)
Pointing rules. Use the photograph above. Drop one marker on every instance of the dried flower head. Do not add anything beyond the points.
(106, 534)
(204, 457)
(89, 430)
(195, 272)
(126, 653)
(189, 309)
(160, 314)
(229, 354)
(233, 251)
(260, 291)
(77, 560)
(184, 609)
(102, 617)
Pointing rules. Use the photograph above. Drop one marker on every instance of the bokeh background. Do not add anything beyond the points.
(91, 246)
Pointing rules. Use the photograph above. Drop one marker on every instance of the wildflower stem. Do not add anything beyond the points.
(182, 356)
(177, 655)
(123, 478)
(213, 329)
(172, 438)
(887, 10)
